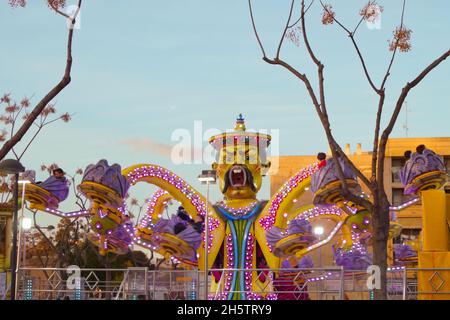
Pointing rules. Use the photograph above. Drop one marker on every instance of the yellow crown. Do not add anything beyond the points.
(240, 137)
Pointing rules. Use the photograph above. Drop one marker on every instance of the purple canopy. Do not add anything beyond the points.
(189, 234)
(296, 226)
(273, 235)
(299, 226)
(329, 173)
(109, 176)
(419, 164)
(59, 186)
(352, 260)
(306, 262)
(402, 251)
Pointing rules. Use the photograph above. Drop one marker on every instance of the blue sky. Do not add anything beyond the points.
(143, 69)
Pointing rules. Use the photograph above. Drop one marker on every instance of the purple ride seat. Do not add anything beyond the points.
(419, 164)
(57, 186)
(329, 173)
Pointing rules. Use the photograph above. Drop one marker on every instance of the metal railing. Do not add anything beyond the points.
(58, 284)
(5, 285)
(284, 284)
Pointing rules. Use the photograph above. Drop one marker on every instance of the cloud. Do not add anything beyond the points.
(146, 144)
(162, 149)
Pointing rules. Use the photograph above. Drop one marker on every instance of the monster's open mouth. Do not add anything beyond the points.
(238, 176)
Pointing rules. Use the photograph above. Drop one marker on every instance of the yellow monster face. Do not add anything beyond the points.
(239, 170)
(240, 161)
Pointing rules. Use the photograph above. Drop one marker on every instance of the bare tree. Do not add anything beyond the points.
(16, 113)
(64, 246)
(32, 116)
(295, 29)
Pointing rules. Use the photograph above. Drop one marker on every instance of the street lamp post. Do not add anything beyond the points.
(26, 226)
(11, 166)
(318, 231)
(23, 226)
(207, 177)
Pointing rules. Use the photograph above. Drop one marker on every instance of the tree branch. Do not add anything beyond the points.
(358, 51)
(333, 144)
(30, 142)
(36, 225)
(301, 16)
(324, 113)
(377, 135)
(381, 93)
(357, 26)
(285, 29)
(398, 107)
(254, 28)
(320, 66)
(8, 145)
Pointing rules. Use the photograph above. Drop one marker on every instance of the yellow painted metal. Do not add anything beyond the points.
(39, 198)
(286, 206)
(217, 234)
(159, 206)
(436, 236)
(436, 246)
(448, 209)
(434, 284)
(100, 194)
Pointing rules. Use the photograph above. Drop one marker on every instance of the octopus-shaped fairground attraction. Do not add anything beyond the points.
(244, 233)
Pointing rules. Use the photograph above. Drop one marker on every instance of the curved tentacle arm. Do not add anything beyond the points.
(404, 205)
(298, 213)
(192, 201)
(339, 226)
(280, 203)
(333, 213)
(156, 206)
(327, 212)
(283, 200)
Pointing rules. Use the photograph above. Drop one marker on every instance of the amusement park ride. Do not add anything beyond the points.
(244, 232)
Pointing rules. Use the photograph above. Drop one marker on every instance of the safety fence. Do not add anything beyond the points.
(279, 284)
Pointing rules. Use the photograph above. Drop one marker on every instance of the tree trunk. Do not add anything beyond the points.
(380, 224)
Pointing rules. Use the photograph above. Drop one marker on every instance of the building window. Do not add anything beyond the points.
(399, 198)
(447, 163)
(407, 235)
(397, 164)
